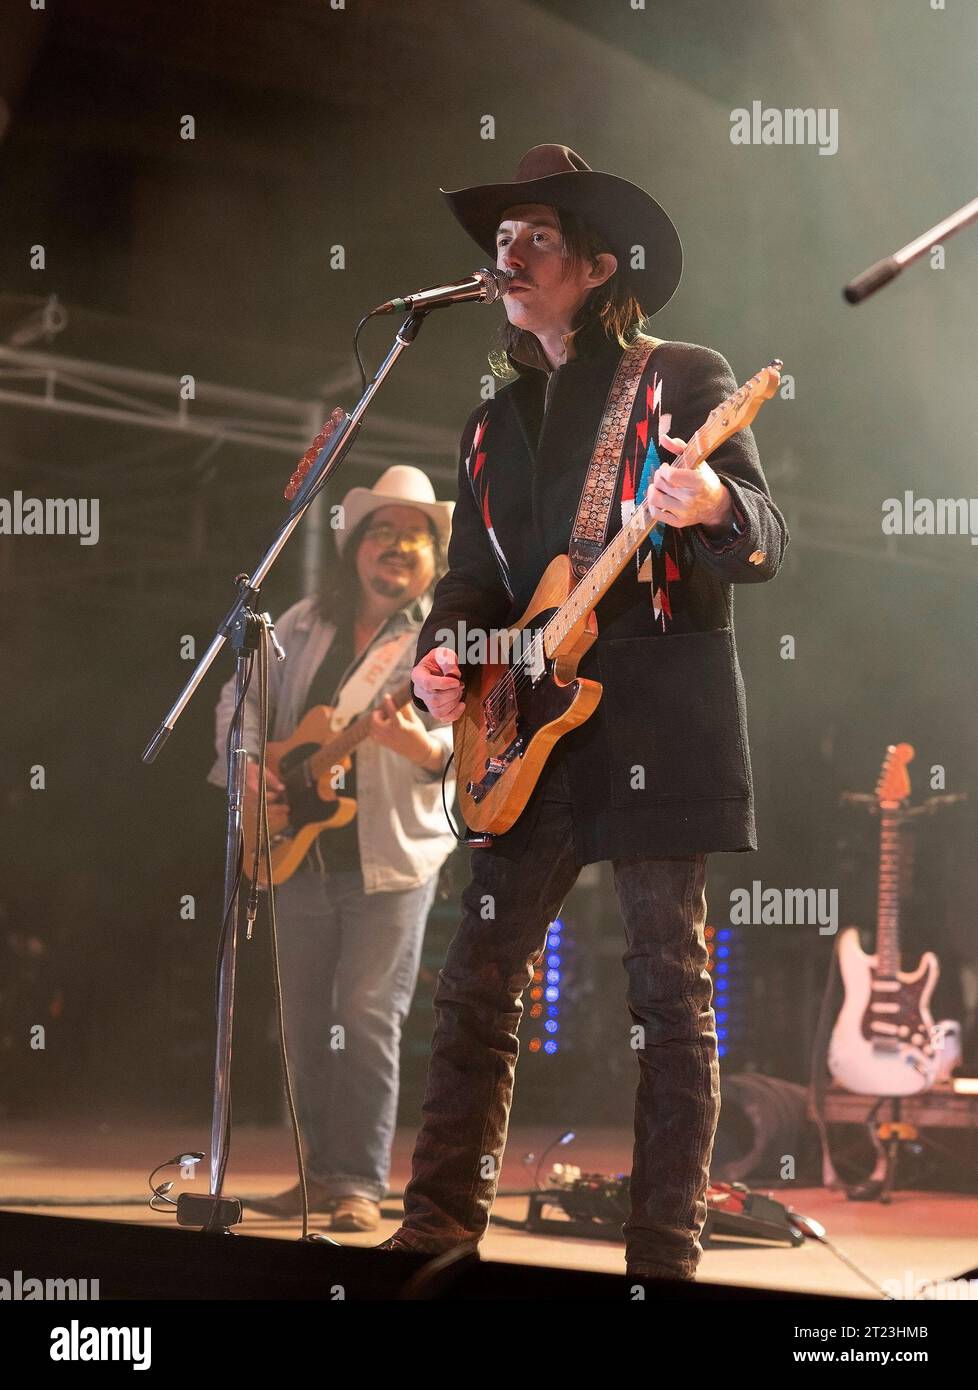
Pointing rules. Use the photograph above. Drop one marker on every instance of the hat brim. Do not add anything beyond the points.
(361, 501)
(624, 213)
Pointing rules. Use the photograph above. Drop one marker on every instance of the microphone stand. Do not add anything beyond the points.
(242, 624)
(880, 274)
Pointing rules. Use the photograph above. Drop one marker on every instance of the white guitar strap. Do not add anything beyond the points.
(364, 685)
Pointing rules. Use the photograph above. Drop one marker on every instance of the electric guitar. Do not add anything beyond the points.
(514, 714)
(310, 763)
(885, 1042)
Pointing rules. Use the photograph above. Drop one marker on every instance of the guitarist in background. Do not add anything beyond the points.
(658, 776)
(353, 915)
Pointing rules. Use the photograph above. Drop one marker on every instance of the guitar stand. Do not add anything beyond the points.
(888, 1136)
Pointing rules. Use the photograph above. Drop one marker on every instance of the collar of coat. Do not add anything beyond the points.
(589, 341)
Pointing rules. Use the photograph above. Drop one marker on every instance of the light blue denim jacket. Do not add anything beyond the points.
(403, 835)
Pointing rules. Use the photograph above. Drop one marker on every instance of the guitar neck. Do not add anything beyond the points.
(344, 743)
(888, 901)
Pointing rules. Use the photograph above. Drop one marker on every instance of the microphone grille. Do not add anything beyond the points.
(497, 282)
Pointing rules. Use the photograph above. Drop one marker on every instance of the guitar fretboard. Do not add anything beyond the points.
(888, 900)
(344, 743)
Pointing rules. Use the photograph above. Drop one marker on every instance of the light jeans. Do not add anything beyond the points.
(349, 963)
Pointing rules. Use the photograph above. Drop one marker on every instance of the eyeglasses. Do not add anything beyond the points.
(411, 537)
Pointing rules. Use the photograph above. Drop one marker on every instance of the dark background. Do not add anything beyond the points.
(317, 127)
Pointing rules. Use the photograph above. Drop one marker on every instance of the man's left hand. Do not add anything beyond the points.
(690, 496)
(403, 732)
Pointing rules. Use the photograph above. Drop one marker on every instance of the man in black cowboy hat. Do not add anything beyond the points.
(659, 776)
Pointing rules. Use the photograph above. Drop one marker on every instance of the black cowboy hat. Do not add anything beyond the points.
(622, 212)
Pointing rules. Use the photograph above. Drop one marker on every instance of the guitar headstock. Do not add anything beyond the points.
(893, 785)
(738, 410)
(336, 418)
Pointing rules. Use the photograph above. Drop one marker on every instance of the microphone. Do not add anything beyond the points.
(485, 286)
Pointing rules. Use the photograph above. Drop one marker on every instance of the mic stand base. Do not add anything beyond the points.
(215, 1215)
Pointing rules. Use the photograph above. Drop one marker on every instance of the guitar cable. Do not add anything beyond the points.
(160, 1192)
(814, 1230)
(263, 848)
(226, 924)
(830, 1175)
(444, 799)
(471, 839)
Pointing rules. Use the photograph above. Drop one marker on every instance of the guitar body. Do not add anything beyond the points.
(312, 804)
(500, 756)
(885, 1042)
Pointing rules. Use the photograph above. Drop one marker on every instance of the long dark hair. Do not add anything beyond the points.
(613, 304)
(339, 584)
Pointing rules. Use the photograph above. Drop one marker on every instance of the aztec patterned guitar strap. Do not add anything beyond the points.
(590, 530)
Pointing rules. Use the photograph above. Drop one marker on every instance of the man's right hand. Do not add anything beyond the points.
(274, 786)
(438, 683)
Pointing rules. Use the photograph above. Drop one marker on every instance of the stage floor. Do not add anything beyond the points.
(65, 1170)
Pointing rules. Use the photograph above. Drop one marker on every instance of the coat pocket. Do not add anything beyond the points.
(674, 714)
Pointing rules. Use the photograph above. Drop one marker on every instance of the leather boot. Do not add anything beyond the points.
(290, 1203)
(355, 1213)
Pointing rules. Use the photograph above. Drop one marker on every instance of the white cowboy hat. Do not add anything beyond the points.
(400, 486)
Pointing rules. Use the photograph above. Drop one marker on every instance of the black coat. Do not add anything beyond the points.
(662, 766)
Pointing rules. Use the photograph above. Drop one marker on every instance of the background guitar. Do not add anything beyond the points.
(885, 1042)
(307, 762)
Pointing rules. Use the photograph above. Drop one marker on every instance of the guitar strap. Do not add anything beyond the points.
(590, 530)
(368, 679)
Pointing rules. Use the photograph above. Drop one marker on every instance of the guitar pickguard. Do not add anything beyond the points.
(893, 1015)
(514, 712)
(306, 806)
